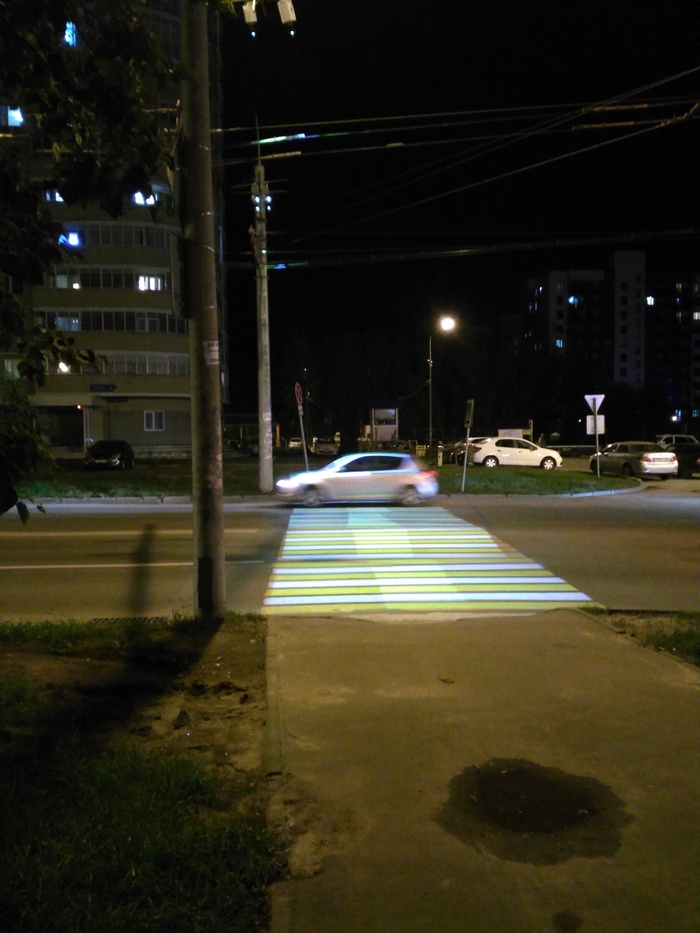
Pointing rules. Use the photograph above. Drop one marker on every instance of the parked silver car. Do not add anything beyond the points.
(365, 477)
(636, 458)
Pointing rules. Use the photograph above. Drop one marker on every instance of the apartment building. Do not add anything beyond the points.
(618, 326)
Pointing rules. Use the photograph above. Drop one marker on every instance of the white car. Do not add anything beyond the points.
(673, 441)
(366, 477)
(513, 451)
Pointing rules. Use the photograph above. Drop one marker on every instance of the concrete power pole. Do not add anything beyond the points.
(202, 310)
(261, 201)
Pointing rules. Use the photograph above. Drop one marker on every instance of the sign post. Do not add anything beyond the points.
(300, 407)
(468, 418)
(594, 403)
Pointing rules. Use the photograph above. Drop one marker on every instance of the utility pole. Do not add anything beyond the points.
(202, 310)
(261, 203)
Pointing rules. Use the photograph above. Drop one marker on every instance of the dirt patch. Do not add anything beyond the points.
(194, 694)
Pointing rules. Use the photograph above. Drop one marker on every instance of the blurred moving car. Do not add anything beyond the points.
(636, 458)
(110, 455)
(512, 451)
(365, 477)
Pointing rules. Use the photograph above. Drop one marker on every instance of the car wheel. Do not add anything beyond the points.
(409, 496)
(311, 498)
(627, 470)
(122, 464)
(490, 462)
(549, 463)
(593, 468)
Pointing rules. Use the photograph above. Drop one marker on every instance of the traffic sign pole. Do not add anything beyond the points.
(594, 403)
(299, 395)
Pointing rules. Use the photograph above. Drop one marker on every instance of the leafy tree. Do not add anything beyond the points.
(21, 446)
(94, 107)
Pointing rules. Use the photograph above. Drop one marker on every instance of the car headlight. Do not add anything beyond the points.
(288, 484)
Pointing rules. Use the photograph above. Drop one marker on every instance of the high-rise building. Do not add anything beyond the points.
(618, 326)
(117, 293)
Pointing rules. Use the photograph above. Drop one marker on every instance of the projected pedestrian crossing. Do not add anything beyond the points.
(393, 559)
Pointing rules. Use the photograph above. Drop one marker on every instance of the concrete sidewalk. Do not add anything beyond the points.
(488, 774)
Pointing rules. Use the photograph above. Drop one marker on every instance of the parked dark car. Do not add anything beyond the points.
(688, 459)
(110, 455)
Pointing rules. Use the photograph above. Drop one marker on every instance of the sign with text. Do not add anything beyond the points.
(592, 421)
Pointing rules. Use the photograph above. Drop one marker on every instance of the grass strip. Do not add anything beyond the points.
(126, 841)
(241, 478)
(130, 839)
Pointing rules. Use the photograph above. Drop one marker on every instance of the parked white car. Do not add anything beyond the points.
(512, 451)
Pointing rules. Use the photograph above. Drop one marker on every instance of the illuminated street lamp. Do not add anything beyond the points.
(445, 325)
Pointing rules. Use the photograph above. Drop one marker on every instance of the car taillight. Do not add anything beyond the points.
(432, 473)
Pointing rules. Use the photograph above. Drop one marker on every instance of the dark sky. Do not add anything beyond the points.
(440, 128)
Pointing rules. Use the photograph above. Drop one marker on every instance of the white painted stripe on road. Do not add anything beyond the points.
(127, 533)
(120, 566)
(341, 559)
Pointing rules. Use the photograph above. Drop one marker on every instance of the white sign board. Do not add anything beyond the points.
(591, 424)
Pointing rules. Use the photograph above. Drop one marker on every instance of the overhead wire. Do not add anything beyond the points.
(537, 130)
(492, 143)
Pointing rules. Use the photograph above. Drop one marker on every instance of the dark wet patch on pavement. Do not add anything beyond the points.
(524, 812)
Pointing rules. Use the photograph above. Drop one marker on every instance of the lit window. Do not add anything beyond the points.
(72, 238)
(559, 344)
(70, 35)
(650, 301)
(14, 116)
(140, 198)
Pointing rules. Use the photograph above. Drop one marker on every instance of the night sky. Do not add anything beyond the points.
(431, 178)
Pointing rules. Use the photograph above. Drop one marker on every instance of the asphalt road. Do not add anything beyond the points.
(632, 551)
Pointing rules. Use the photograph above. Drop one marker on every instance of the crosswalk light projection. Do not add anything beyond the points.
(394, 559)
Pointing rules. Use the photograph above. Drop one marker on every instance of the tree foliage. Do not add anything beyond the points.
(94, 106)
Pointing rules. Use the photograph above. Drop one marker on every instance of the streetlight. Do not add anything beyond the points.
(445, 324)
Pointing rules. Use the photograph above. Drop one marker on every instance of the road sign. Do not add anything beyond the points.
(595, 424)
(469, 414)
(594, 401)
(299, 394)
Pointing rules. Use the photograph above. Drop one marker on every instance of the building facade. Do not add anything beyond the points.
(619, 327)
